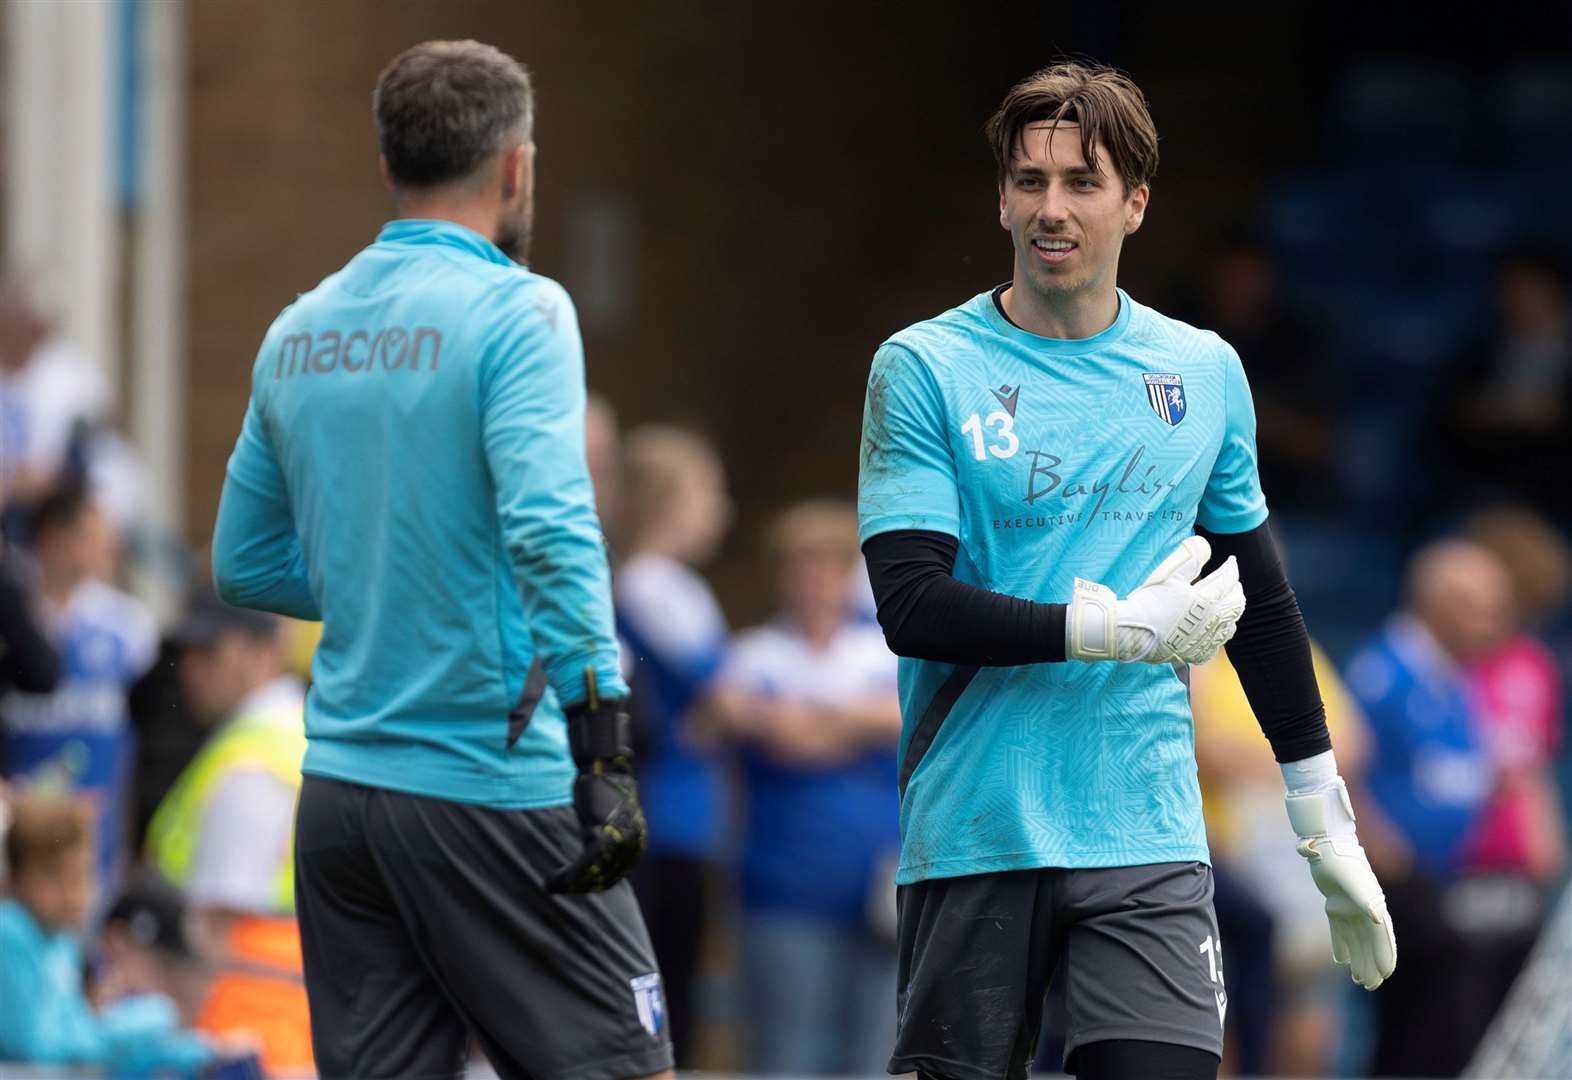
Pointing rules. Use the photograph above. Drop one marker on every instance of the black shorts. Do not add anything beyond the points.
(422, 920)
(1136, 946)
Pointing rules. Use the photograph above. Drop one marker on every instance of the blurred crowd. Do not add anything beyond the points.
(150, 772)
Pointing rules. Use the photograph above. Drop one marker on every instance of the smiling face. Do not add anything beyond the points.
(1067, 217)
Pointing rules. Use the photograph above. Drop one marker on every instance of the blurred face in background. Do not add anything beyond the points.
(1463, 595)
(217, 676)
(134, 968)
(1067, 219)
(20, 335)
(85, 546)
(57, 888)
(700, 511)
(603, 452)
(1532, 300)
(814, 583)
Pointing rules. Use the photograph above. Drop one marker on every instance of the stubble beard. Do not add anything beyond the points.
(515, 232)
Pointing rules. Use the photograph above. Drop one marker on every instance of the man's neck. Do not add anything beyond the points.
(435, 208)
(1077, 315)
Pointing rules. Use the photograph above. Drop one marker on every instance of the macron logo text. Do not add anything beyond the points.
(389, 349)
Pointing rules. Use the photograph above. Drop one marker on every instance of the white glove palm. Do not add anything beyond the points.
(1362, 937)
(1168, 618)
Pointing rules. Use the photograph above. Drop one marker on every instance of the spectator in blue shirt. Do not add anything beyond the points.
(45, 1017)
(810, 698)
(78, 738)
(1431, 777)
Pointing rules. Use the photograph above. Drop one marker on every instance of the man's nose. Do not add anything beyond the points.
(1055, 208)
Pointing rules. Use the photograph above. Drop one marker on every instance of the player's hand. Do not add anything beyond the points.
(605, 797)
(1362, 937)
(1170, 617)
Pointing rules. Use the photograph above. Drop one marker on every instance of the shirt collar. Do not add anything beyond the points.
(435, 232)
(1056, 346)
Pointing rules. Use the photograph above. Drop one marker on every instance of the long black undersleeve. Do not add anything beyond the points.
(928, 614)
(1271, 648)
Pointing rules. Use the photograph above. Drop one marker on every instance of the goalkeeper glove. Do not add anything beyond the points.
(605, 797)
(1323, 818)
(1164, 620)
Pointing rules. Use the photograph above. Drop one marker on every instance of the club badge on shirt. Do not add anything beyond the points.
(1165, 394)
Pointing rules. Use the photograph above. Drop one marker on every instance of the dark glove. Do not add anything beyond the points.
(611, 821)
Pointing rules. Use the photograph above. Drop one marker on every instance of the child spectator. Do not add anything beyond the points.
(45, 1017)
(149, 947)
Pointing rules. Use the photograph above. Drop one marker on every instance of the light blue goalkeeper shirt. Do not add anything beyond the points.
(411, 472)
(1050, 460)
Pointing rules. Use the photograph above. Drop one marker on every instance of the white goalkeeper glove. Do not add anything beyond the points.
(1166, 619)
(1323, 819)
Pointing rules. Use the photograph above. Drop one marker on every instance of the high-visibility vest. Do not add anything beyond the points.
(260, 992)
(272, 738)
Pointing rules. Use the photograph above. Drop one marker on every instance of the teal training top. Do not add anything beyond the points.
(1049, 460)
(411, 471)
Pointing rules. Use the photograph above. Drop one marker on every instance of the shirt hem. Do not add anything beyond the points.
(873, 526)
(1239, 522)
(1082, 860)
(481, 795)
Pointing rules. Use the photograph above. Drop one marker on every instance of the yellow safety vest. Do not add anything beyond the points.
(273, 739)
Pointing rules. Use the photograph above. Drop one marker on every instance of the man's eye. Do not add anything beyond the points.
(1085, 184)
(1030, 183)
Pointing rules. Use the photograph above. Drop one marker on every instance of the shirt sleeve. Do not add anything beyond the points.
(1233, 501)
(257, 559)
(907, 475)
(532, 427)
(927, 614)
(1270, 650)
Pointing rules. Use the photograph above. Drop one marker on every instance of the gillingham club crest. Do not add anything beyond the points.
(1165, 394)
(650, 1002)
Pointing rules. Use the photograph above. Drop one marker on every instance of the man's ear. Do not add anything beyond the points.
(1003, 224)
(515, 163)
(1135, 208)
(387, 177)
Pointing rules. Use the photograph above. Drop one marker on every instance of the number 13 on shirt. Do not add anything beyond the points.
(1004, 428)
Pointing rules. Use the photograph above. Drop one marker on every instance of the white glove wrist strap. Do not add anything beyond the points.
(1090, 625)
(1327, 812)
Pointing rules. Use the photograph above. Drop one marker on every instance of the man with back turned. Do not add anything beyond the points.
(411, 472)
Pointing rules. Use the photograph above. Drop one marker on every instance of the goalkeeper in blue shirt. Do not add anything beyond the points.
(411, 471)
(1060, 509)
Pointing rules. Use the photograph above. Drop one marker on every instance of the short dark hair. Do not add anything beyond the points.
(45, 828)
(61, 508)
(443, 107)
(1106, 103)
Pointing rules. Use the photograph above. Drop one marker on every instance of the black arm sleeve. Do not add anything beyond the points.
(26, 660)
(929, 615)
(1271, 648)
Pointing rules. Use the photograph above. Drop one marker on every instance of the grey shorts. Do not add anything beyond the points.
(1136, 946)
(423, 921)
